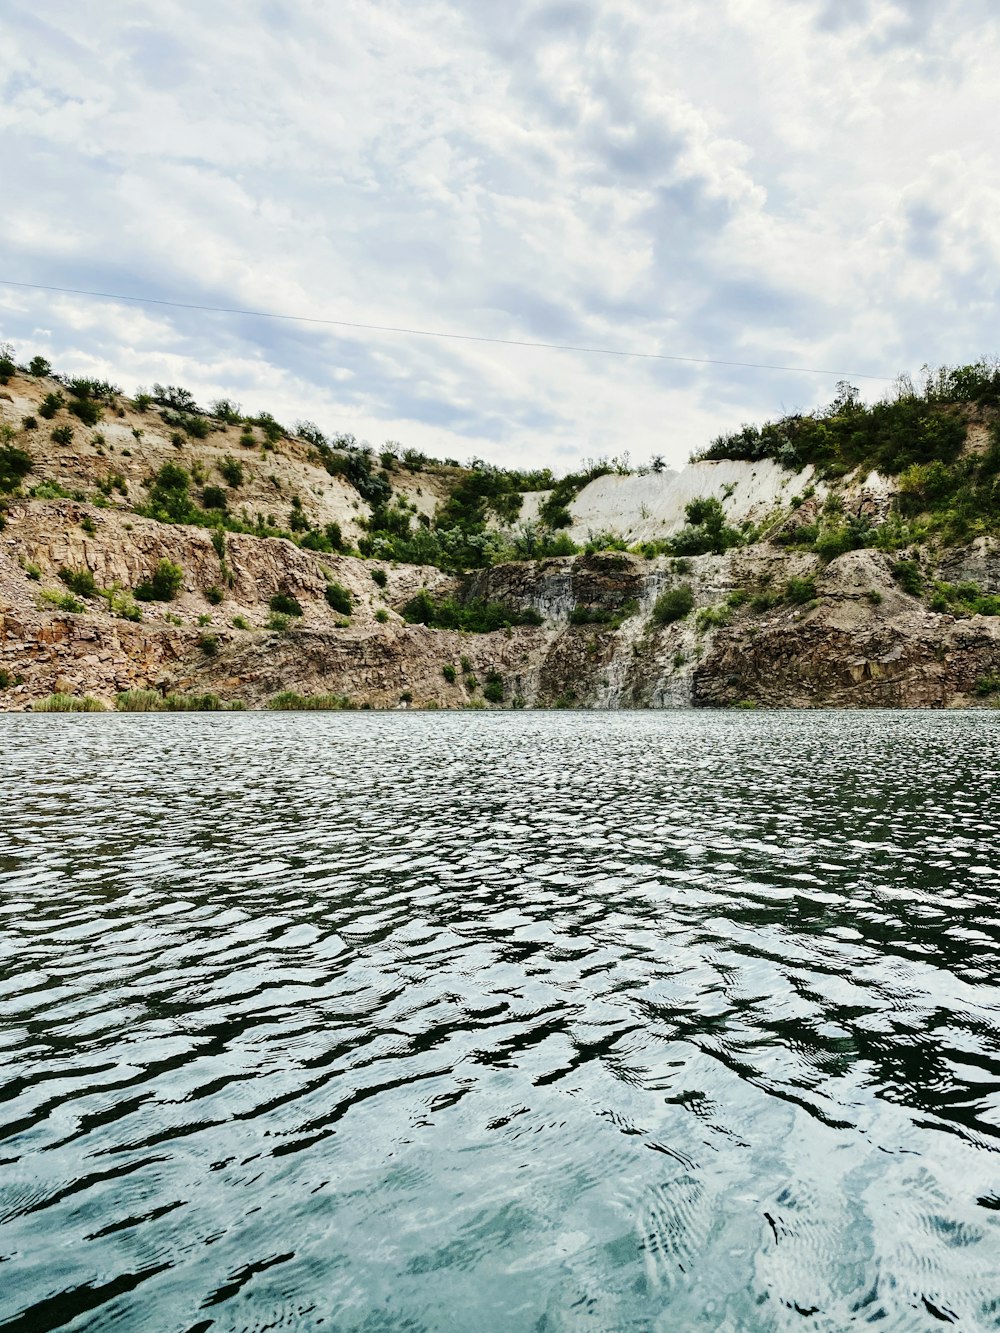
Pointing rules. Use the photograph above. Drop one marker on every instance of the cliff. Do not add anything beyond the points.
(249, 616)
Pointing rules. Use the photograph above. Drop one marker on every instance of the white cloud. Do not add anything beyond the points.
(758, 180)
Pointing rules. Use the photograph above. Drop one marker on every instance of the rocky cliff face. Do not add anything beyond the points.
(768, 625)
(861, 642)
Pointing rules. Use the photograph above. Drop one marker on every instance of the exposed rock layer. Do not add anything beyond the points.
(863, 643)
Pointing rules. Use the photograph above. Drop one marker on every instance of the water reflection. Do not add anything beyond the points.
(556, 1021)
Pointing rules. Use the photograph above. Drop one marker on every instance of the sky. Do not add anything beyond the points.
(807, 183)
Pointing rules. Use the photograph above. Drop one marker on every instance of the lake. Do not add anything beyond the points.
(504, 1021)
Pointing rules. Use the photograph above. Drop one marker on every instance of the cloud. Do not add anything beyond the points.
(788, 181)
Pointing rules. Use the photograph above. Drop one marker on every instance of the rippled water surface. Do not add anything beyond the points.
(499, 1022)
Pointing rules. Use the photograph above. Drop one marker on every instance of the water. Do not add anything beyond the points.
(500, 1022)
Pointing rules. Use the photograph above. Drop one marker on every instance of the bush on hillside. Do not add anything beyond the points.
(673, 604)
(163, 585)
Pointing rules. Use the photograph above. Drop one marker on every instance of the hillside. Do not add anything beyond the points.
(196, 558)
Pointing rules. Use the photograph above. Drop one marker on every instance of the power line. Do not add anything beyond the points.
(437, 333)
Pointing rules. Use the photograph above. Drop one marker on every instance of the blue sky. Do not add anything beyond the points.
(806, 182)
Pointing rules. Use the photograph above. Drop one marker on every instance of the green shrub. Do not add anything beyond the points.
(51, 490)
(339, 598)
(284, 604)
(589, 615)
(493, 689)
(706, 530)
(279, 623)
(80, 581)
(4, 679)
(673, 604)
(449, 673)
(62, 601)
(800, 590)
(39, 367)
(908, 575)
(50, 405)
(87, 410)
(465, 663)
(213, 497)
(964, 599)
(380, 577)
(164, 584)
(62, 435)
(241, 622)
(214, 595)
(120, 603)
(15, 464)
(231, 471)
(474, 616)
(382, 615)
(170, 498)
(712, 617)
(225, 410)
(987, 685)
(68, 703)
(209, 644)
(598, 615)
(29, 423)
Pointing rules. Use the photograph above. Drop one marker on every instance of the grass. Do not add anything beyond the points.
(149, 701)
(139, 701)
(290, 701)
(68, 703)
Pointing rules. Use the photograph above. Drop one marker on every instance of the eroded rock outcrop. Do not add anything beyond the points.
(860, 642)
